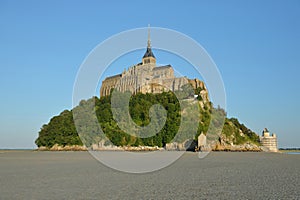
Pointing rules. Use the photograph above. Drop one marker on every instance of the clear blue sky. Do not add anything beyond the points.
(255, 45)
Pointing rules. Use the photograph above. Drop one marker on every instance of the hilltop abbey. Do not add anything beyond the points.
(147, 77)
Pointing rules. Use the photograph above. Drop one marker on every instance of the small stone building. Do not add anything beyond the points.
(201, 140)
(269, 141)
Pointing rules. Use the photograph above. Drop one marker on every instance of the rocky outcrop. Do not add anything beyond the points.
(187, 145)
(242, 147)
(105, 145)
(143, 148)
(126, 148)
(57, 147)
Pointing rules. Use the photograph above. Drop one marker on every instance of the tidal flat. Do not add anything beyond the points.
(220, 175)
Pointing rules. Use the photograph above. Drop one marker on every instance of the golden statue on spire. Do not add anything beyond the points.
(149, 40)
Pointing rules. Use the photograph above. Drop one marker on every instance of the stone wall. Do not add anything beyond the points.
(108, 84)
(270, 142)
(147, 78)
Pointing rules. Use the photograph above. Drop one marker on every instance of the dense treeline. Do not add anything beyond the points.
(139, 107)
(89, 114)
(60, 130)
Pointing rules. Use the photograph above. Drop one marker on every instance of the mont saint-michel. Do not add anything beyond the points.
(67, 66)
(150, 84)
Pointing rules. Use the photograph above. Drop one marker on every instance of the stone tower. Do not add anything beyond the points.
(269, 141)
(149, 57)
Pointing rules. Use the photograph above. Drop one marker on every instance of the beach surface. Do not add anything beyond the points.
(220, 175)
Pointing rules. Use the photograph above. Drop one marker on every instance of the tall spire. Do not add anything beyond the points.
(149, 40)
(149, 51)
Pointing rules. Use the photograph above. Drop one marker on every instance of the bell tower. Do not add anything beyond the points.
(149, 57)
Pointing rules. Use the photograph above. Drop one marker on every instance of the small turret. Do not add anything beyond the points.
(265, 133)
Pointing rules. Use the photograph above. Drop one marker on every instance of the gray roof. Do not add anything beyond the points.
(149, 53)
(162, 67)
(115, 76)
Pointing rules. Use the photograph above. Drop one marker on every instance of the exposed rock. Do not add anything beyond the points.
(186, 145)
(57, 147)
(143, 148)
(242, 147)
(172, 146)
(108, 146)
(103, 146)
(42, 148)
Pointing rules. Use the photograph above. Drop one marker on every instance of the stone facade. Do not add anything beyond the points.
(201, 140)
(147, 77)
(269, 141)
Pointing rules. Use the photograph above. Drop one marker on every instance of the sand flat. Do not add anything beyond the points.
(220, 175)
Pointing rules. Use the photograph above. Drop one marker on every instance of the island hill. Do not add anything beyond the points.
(148, 85)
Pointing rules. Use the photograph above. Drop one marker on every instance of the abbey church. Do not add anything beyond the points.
(147, 77)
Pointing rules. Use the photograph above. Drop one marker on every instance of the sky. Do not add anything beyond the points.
(255, 45)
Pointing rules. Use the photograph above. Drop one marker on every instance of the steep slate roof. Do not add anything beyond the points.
(149, 53)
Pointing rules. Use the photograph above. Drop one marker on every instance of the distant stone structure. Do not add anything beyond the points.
(269, 141)
(201, 140)
(202, 143)
(146, 77)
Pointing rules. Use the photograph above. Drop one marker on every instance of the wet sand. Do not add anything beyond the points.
(220, 175)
